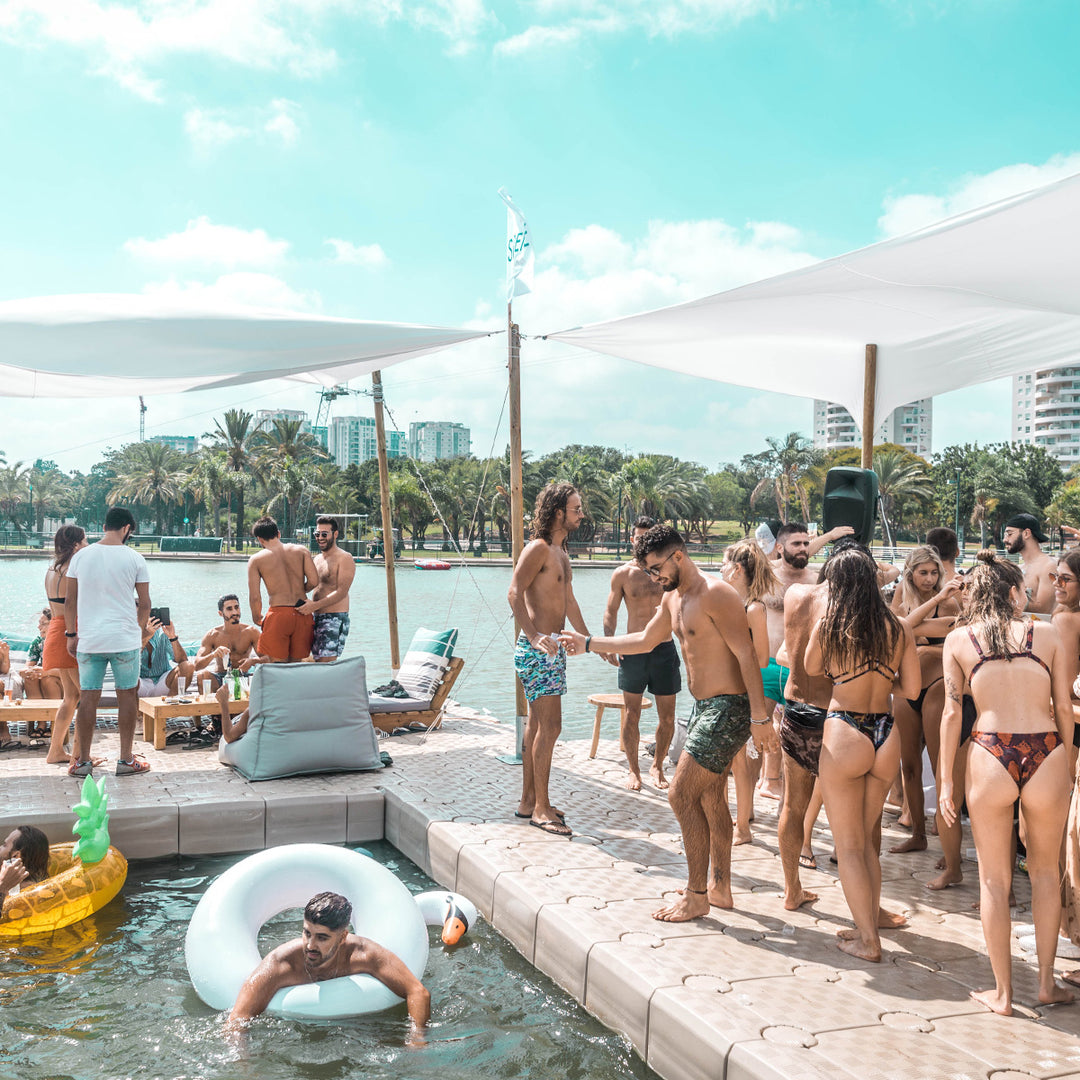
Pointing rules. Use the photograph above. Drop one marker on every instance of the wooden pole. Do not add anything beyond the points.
(869, 394)
(387, 529)
(517, 494)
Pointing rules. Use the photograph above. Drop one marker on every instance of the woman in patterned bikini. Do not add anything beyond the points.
(1015, 668)
(865, 649)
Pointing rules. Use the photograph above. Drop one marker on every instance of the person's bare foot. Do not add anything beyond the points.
(940, 864)
(855, 946)
(795, 901)
(690, 905)
(944, 880)
(890, 920)
(63, 759)
(916, 843)
(656, 774)
(771, 788)
(741, 835)
(1056, 995)
(995, 1002)
(904, 820)
(633, 781)
(720, 896)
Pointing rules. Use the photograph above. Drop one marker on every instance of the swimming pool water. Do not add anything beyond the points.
(110, 997)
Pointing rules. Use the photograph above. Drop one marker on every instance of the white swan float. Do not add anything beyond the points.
(222, 944)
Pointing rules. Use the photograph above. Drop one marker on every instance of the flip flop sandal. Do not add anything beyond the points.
(554, 827)
(808, 862)
(177, 737)
(13, 744)
(559, 814)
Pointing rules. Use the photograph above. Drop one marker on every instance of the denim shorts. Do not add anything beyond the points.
(125, 669)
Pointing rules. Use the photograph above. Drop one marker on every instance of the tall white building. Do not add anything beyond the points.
(910, 426)
(431, 440)
(264, 418)
(1046, 412)
(186, 444)
(352, 440)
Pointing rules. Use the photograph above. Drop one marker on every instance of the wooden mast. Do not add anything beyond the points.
(517, 507)
(869, 395)
(388, 532)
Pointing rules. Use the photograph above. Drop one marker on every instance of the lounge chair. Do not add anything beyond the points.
(423, 683)
(389, 713)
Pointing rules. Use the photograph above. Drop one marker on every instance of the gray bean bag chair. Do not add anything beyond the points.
(306, 718)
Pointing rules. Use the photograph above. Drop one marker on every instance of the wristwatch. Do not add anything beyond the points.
(71, 633)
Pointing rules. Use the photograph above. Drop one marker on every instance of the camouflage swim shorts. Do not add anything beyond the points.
(331, 631)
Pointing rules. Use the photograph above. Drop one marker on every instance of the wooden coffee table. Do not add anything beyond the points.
(156, 710)
(30, 711)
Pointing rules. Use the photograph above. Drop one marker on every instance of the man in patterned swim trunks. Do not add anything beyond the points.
(329, 603)
(724, 677)
(542, 599)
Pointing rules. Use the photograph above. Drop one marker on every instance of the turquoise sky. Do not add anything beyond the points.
(343, 156)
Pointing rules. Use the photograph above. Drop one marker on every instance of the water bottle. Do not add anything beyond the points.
(236, 684)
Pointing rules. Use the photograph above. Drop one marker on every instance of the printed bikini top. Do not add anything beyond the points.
(1025, 652)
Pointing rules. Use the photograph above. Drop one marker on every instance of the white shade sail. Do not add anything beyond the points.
(982, 295)
(117, 345)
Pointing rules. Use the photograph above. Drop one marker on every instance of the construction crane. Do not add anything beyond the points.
(329, 395)
(142, 419)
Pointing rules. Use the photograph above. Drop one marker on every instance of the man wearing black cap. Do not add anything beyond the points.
(1022, 537)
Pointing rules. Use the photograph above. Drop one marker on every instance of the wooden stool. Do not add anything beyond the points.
(610, 701)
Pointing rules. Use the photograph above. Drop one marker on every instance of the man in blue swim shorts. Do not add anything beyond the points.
(329, 603)
(656, 671)
(542, 599)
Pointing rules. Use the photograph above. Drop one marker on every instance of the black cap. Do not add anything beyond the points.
(1027, 521)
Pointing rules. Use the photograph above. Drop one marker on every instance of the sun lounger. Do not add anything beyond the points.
(388, 713)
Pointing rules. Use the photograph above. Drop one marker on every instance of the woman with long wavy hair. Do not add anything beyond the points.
(865, 649)
(55, 659)
(1016, 668)
(746, 568)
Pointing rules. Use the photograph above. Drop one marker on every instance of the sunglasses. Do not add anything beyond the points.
(654, 571)
(323, 535)
(1062, 579)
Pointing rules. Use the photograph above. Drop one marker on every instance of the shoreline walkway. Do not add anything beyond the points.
(756, 992)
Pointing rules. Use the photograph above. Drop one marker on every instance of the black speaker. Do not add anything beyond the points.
(851, 498)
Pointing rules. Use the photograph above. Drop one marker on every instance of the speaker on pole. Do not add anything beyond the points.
(851, 498)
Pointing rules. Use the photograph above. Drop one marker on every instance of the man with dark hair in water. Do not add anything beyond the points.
(541, 597)
(326, 950)
(722, 670)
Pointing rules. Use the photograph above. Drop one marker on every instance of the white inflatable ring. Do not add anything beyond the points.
(222, 947)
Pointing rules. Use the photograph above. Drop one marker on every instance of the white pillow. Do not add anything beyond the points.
(426, 661)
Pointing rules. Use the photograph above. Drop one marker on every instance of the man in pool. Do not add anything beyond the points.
(721, 667)
(326, 950)
(657, 671)
(288, 573)
(541, 597)
(329, 603)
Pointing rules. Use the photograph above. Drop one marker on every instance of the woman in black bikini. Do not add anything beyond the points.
(864, 648)
(1015, 668)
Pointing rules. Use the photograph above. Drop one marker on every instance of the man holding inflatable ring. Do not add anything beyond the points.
(326, 950)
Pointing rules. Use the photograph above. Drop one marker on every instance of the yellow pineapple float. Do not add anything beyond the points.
(83, 876)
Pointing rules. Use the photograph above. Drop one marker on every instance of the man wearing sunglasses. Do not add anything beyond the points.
(329, 603)
(708, 618)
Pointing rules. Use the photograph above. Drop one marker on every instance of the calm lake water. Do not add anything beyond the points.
(471, 598)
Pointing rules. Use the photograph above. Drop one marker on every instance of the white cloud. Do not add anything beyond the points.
(368, 255)
(210, 129)
(574, 20)
(908, 213)
(122, 41)
(241, 289)
(283, 120)
(203, 243)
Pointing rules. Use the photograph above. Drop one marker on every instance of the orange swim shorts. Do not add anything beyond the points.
(286, 634)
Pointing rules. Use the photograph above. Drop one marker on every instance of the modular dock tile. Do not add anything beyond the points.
(752, 992)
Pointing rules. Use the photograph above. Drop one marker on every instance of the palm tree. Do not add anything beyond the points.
(902, 477)
(234, 438)
(208, 483)
(14, 489)
(786, 462)
(151, 474)
(52, 494)
(284, 458)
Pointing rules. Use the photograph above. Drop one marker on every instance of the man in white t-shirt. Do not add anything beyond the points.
(106, 609)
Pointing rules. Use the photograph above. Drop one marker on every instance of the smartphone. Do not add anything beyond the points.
(161, 614)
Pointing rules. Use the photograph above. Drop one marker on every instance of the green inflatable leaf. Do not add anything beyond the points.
(92, 822)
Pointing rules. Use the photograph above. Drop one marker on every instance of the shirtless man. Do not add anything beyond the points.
(541, 597)
(722, 669)
(793, 542)
(288, 572)
(657, 672)
(233, 641)
(327, 950)
(329, 604)
(1022, 537)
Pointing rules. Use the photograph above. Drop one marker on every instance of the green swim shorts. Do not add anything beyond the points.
(773, 680)
(718, 727)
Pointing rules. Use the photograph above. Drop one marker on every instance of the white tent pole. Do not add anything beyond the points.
(387, 530)
(869, 394)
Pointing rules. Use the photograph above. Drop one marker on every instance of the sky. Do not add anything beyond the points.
(344, 157)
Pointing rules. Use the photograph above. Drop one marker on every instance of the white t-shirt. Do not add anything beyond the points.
(106, 574)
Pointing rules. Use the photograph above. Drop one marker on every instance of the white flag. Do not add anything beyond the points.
(519, 252)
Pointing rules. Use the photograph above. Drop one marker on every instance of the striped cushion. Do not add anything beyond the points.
(426, 661)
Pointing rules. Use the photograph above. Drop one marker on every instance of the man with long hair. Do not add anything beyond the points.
(542, 599)
(729, 707)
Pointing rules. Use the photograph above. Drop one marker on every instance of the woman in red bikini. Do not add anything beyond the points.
(1015, 668)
